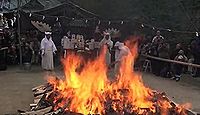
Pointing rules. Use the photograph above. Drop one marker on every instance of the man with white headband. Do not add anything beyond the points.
(48, 48)
(106, 41)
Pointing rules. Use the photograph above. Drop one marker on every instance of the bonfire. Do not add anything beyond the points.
(86, 89)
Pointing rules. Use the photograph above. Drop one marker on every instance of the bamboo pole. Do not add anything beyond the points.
(172, 61)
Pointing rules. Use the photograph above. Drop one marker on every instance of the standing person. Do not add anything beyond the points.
(81, 42)
(175, 51)
(73, 42)
(195, 49)
(106, 41)
(48, 48)
(91, 46)
(178, 68)
(35, 45)
(158, 39)
(66, 45)
(27, 53)
(163, 52)
(120, 52)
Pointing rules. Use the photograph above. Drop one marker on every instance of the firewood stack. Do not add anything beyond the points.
(44, 104)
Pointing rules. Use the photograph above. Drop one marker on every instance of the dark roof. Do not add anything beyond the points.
(33, 4)
(49, 3)
(36, 5)
(78, 23)
(67, 9)
(12, 5)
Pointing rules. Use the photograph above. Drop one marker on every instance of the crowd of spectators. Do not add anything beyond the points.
(158, 47)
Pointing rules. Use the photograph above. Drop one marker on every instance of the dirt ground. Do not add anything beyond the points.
(16, 85)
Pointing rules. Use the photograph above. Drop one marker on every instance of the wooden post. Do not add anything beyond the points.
(18, 31)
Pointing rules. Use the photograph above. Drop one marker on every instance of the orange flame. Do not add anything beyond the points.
(87, 87)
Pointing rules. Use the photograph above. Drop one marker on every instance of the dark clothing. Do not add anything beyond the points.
(174, 53)
(155, 63)
(195, 49)
(178, 69)
(197, 61)
(3, 59)
(27, 55)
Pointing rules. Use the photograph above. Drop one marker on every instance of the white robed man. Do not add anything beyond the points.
(121, 51)
(48, 48)
(66, 43)
(91, 46)
(106, 41)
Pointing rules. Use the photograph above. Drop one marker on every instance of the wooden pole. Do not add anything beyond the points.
(172, 61)
(18, 31)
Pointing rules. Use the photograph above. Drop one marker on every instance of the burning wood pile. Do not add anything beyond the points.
(44, 104)
(87, 90)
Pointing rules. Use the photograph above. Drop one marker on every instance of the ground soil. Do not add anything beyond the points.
(16, 85)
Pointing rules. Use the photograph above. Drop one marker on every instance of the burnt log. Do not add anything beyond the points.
(36, 112)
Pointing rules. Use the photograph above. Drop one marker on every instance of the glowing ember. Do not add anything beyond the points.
(87, 89)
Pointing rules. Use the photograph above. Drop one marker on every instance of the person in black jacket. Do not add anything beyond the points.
(27, 53)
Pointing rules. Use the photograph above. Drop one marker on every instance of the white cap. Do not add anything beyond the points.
(119, 44)
(107, 34)
(48, 33)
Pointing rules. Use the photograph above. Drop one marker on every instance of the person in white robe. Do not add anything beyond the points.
(91, 44)
(109, 43)
(48, 48)
(120, 52)
(66, 45)
(73, 41)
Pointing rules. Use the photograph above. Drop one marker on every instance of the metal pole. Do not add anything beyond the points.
(18, 31)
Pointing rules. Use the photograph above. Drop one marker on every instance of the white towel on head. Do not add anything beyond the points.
(48, 33)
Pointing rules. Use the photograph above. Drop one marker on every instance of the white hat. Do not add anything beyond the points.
(107, 34)
(119, 44)
(48, 33)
